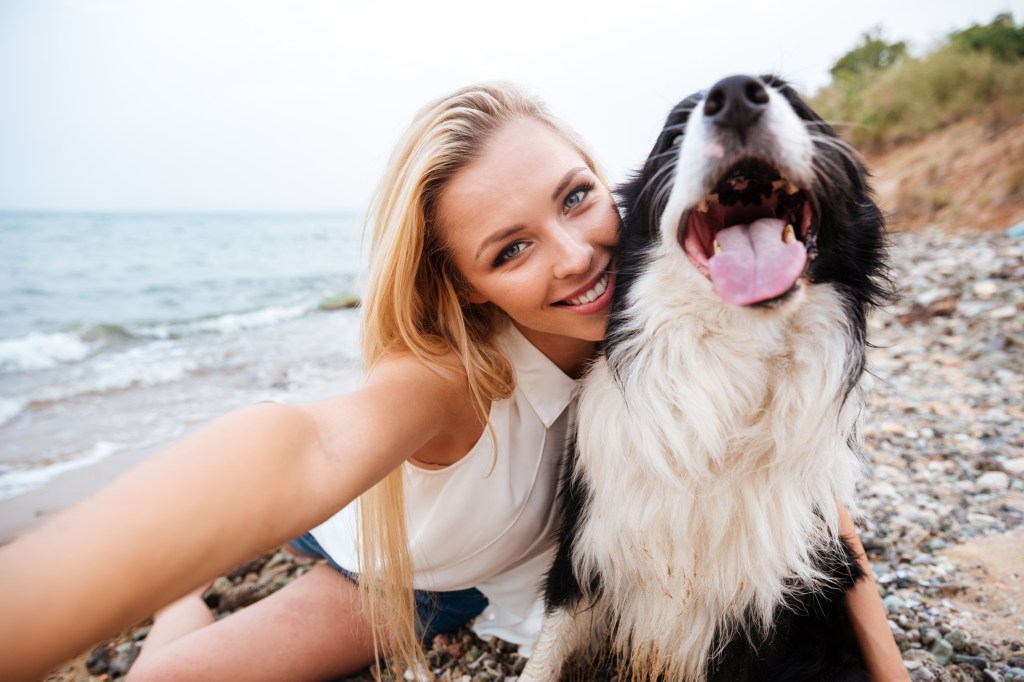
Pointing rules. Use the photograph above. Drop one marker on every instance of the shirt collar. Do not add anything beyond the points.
(547, 388)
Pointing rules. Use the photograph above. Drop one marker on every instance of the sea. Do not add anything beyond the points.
(126, 331)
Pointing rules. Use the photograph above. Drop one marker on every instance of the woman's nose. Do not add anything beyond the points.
(573, 254)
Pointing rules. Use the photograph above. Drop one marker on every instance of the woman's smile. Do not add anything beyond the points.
(592, 297)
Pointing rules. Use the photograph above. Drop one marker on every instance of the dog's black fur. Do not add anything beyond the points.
(811, 638)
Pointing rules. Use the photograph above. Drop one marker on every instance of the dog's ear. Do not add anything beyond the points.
(641, 195)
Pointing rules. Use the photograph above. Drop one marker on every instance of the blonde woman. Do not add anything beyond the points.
(490, 285)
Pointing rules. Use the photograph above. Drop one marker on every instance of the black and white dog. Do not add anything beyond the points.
(718, 432)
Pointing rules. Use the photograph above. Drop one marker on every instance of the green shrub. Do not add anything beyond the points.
(873, 54)
(879, 96)
(1002, 39)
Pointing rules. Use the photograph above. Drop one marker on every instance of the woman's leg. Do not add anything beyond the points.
(180, 618)
(310, 629)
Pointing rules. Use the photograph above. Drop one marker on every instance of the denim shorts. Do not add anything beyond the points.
(438, 611)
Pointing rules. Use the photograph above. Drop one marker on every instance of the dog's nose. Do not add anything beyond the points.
(736, 102)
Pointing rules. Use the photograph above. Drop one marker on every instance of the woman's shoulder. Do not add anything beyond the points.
(440, 381)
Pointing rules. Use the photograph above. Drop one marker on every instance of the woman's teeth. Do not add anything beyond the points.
(598, 289)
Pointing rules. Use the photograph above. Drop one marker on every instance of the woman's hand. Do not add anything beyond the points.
(867, 615)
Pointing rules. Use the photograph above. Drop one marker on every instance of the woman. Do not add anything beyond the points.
(489, 289)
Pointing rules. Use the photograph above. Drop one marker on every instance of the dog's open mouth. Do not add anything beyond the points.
(752, 236)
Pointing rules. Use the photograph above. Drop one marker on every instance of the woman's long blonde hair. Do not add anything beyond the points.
(415, 302)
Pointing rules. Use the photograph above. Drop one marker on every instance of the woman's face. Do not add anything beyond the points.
(531, 228)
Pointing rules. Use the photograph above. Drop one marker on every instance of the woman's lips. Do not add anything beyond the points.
(595, 297)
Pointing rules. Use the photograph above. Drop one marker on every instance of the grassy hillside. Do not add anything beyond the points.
(880, 96)
(943, 132)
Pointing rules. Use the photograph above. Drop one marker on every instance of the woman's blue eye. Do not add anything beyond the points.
(576, 197)
(509, 252)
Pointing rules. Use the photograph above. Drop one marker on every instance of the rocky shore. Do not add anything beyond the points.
(942, 502)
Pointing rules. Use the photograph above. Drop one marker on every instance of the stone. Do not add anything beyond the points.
(98, 662)
(1003, 312)
(919, 656)
(942, 650)
(892, 604)
(927, 298)
(923, 674)
(1014, 467)
(978, 662)
(985, 289)
(122, 661)
(993, 481)
(240, 595)
(957, 638)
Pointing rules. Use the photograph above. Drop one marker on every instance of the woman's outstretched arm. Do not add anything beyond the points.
(247, 482)
(864, 606)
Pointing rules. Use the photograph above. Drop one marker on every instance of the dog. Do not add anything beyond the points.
(718, 431)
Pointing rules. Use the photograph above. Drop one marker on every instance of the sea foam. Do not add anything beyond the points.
(225, 323)
(16, 482)
(41, 351)
(9, 409)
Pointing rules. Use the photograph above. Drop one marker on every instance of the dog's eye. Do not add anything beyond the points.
(677, 140)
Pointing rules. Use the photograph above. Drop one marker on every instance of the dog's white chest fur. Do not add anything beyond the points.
(714, 466)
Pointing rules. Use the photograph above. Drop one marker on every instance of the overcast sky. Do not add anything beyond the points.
(262, 105)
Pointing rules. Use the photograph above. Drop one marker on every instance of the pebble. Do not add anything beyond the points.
(892, 604)
(978, 662)
(919, 656)
(1003, 312)
(957, 638)
(942, 650)
(985, 289)
(993, 480)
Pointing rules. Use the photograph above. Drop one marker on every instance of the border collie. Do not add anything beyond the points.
(718, 432)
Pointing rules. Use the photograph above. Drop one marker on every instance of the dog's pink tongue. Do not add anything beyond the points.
(754, 264)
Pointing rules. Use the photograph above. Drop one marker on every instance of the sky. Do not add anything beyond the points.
(259, 105)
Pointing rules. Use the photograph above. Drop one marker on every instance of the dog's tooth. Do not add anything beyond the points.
(791, 189)
(717, 247)
(788, 235)
(702, 206)
(779, 184)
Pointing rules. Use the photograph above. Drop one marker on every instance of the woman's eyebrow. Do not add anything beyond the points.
(566, 179)
(507, 232)
(499, 236)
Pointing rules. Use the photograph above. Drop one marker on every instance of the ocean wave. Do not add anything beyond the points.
(45, 351)
(135, 368)
(14, 482)
(9, 409)
(223, 324)
(42, 351)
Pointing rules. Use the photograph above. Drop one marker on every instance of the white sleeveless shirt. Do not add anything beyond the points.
(470, 526)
